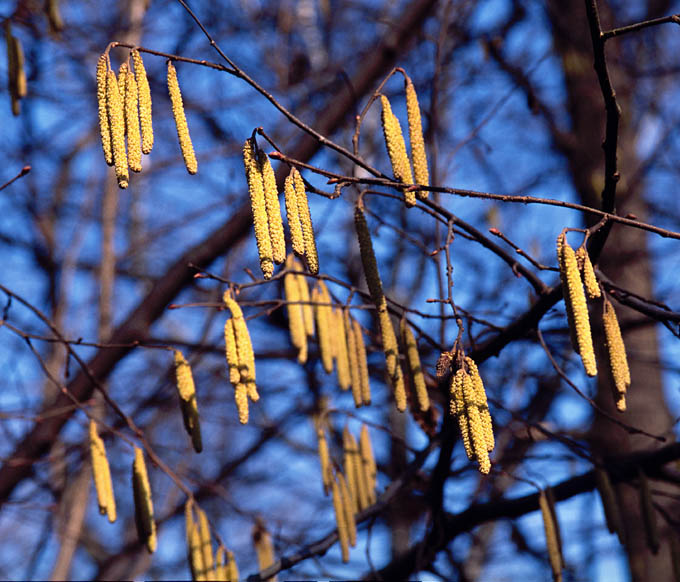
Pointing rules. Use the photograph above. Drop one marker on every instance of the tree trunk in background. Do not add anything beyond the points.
(625, 260)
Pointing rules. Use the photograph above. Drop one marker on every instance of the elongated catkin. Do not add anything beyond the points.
(618, 360)
(232, 568)
(193, 540)
(293, 215)
(588, 273)
(188, 403)
(362, 482)
(17, 73)
(567, 301)
(353, 357)
(220, 571)
(350, 467)
(475, 425)
(415, 131)
(144, 94)
(323, 313)
(114, 107)
(458, 410)
(244, 346)
(101, 474)
(263, 547)
(146, 526)
(122, 84)
(206, 543)
(307, 308)
(350, 517)
(414, 365)
(185, 144)
(368, 464)
(104, 128)
(231, 352)
(396, 149)
(579, 308)
(311, 254)
(363, 364)
(550, 496)
(324, 459)
(273, 208)
(259, 208)
(341, 521)
(551, 537)
(296, 324)
(342, 357)
(481, 402)
(134, 140)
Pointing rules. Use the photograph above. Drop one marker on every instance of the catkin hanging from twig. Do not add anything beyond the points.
(341, 520)
(271, 198)
(193, 540)
(134, 140)
(185, 144)
(311, 254)
(396, 149)
(188, 403)
(259, 208)
(263, 547)
(296, 324)
(414, 365)
(293, 215)
(323, 312)
(618, 361)
(101, 473)
(146, 526)
(415, 131)
(550, 527)
(114, 107)
(350, 517)
(144, 94)
(363, 364)
(104, 128)
(588, 273)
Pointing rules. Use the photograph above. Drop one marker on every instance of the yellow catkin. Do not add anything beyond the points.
(206, 544)
(342, 356)
(296, 324)
(396, 149)
(144, 94)
(553, 511)
(146, 526)
(414, 365)
(610, 503)
(363, 364)
(17, 72)
(475, 424)
(271, 198)
(104, 129)
(307, 308)
(21, 84)
(232, 568)
(350, 467)
(194, 553)
(324, 459)
(458, 410)
(350, 517)
(244, 346)
(122, 85)
(415, 132)
(389, 339)
(362, 482)
(353, 357)
(134, 143)
(220, 570)
(259, 208)
(551, 537)
(588, 273)
(263, 547)
(181, 121)
(648, 513)
(577, 302)
(114, 107)
(617, 355)
(101, 474)
(341, 521)
(241, 396)
(311, 254)
(323, 313)
(482, 403)
(231, 352)
(567, 301)
(188, 403)
(293, 215)
(368, 463)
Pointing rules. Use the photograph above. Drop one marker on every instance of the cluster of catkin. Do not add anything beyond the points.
(396, 147)
(578, 280)
(240, 357)
(202, 563)
(101, 473)
(470, 407)
(268, 226)
(262, 542)
(15, 69)
(341, 341)
(553, 537)
(187, 400)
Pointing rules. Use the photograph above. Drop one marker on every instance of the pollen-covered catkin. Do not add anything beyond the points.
(271, 198)
(577, 303)
(342, 356)
(144, 93)
(122, 84)
(293, 215)
(244, 346)
(146, 526)
(361, 486)
(206, 543)
(475, 425)
(134, 140)
(181, 121)
(193, 540)
(324, 312)
(415, 131)
(458, 410)
(396, 149)
(104, 128)
(188, 403)
(101, 473)
(363, 363)
(414, 365)
(307, 308)
(114, 107)
(350, 467)
(617, 355)
(588, 273)
(481, 402)
(259, 208)
(549, 525)
(341, 521)
(353, 357)
(368, 463)
(241, 396)
(550, 496)
(231, 352)
(311, 254)
(296, 324)
(648, 513)
(220, 571)
(567, 301)
(263, 546)
(350, 516)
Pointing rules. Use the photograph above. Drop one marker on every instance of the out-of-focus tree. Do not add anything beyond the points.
(537, 117)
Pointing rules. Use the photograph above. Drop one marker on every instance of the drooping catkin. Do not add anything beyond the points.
(231, 352)
(350, 467)
(206, 543)
(342, 356)
(263, 547)
(104, 129)
(311, 254)
(363, 363)
(323, 313)
(134, 143)
(368, 463)
(293, 215)
(475, 425)
(579, 308)
(550, 496)
(271, 198)
(259, 208)
(414, 365)
(193, 539)
(396, 149)
(324, 459)
(244, 346)
(389, 339)
(341, 521)
(306, 304)
(146, 526)
(181, 121)
(551, 537)
(350, 517)
(618, 361)
(296, 324)
(144, 94)
(232, 568)
(415, 132)
(188, 403)
(114, 107)
(648, 513)
(481, 402)
(610, 503)
(220, 570)
(353, 357)
(458, 410)
(588, 273)
(101, 474)
(567, 301)
(358, 474)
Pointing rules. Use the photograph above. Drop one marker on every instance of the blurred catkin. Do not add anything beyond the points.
(415, 131)
(414, 365)
(144, 93)
(114, 107)
(610, 503)
(101, 474)
(104, 128)
(296, 324)
(363, 364)
(353, 357)
(342, 356)
(146, 526)
(193, 539)
(341, 521)
(263, 547)
(181, 121)
(324, 460)
(550, 527)
(188, 403)
(206, 543)
(259, 207)
(368, 464)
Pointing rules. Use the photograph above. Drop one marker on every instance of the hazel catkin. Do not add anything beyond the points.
(144, 94)
(101, 474)
(350, 517)
(146, 526)
(588, 273)
(259, 208)
(188, 403)
(263, 546)
(341, 521)
(134, 143)
(185, 144)
(415, 131)
(618, 361)
(363, 364)
(311, 254)
(293, 215)
(323, 312)
(414, 365)
(396, 149)
(549, 525)
(104, 129)
(296, 324)
(114, 107)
